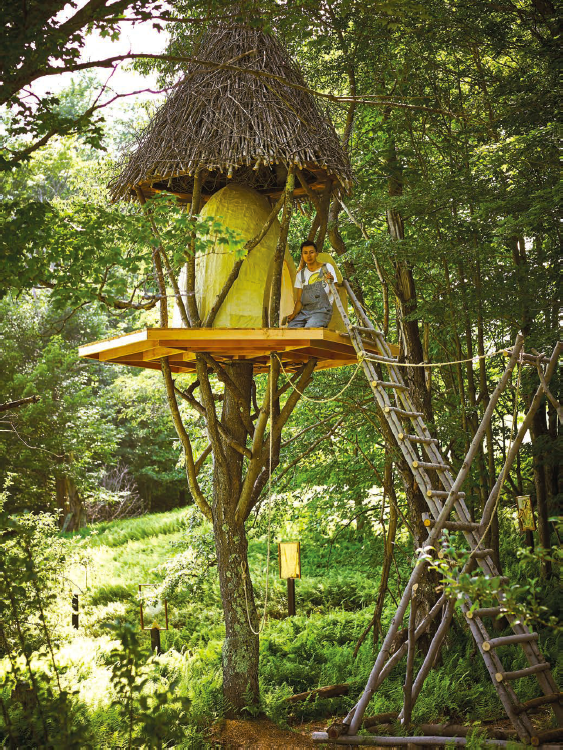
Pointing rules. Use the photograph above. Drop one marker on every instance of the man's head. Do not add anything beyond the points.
(308, 251)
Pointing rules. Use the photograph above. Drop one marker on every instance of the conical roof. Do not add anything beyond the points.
(244, 128)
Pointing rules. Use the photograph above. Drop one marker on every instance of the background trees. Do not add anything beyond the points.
(448, 114)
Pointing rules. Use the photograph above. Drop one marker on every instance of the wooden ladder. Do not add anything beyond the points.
(443, 496)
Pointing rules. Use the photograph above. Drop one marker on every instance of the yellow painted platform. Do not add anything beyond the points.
(294, 345)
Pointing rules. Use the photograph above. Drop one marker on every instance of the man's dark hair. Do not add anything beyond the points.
(308, 243)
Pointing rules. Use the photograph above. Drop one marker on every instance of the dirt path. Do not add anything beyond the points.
(259, 734)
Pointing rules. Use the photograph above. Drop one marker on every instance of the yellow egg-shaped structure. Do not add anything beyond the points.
(245, 211)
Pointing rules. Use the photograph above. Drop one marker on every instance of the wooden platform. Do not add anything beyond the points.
(294, 345)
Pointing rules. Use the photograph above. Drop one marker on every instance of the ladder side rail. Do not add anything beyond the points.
(531, 651)
(381, 397)
(431, 654)
(437, 530)
(492, 660)
(534, 656)
(491, 501)
(508, 697)
(397, 378)
(407, 450)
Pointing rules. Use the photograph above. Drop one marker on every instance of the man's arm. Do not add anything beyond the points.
(297, 307)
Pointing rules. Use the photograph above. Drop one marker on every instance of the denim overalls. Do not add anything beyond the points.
(316, 310)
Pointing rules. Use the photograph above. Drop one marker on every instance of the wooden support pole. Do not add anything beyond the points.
(75, 611)
(431, 654)
(193, 312)
(490, 505)
(274, 307)
(291, 597)
(411, 650)
(155, 640)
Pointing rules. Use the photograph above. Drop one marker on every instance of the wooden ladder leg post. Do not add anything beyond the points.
(515, 447)
(411, 650)
(354, 718)
(432, 652)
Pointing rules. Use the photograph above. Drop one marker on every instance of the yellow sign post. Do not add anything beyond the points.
(289, 559)
(526, 513)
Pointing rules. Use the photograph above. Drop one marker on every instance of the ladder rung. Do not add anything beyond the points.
(485, 612)
(363, 329)
(379, 358)
(479, 554)
(428, 465)
(537, 702)
(418, 439)
(442, 493)
(508, 640)
(453, 525)
(500, 676)
(385, 384)
(402, 412)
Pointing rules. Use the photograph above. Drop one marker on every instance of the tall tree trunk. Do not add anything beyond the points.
(405, 291)
(541, 468)
(240, 648)
(406, 303)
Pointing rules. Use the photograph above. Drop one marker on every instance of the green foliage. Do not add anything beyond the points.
(526, 597)
(120, 533)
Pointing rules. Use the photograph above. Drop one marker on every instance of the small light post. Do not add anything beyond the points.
(152, 610)
(289, 560)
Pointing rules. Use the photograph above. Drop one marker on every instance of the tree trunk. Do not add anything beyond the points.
(540, 442)
(69, 503)
(240, 648)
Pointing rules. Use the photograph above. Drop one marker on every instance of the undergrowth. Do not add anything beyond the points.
(178, 694)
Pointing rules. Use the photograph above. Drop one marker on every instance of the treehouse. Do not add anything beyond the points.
(242, 142)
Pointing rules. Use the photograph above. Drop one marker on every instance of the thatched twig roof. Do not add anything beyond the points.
(241, 127)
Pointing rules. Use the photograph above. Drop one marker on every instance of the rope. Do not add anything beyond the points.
(476, 358)
(322, 400)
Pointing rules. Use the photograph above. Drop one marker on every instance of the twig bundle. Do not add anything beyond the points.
(241, 127)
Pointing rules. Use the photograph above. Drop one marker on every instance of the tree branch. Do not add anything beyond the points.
(8, 405)
(191, 473)
(202, 411)
(377, 101)
(201, 460)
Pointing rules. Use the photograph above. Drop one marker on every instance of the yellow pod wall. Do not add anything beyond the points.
(245, 211)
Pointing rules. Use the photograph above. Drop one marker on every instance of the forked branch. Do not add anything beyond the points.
(191, 472)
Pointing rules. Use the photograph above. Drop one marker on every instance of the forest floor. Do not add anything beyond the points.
(260, 734)
(335, 599)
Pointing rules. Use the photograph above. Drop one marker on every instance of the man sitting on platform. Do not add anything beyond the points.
(314, 299)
